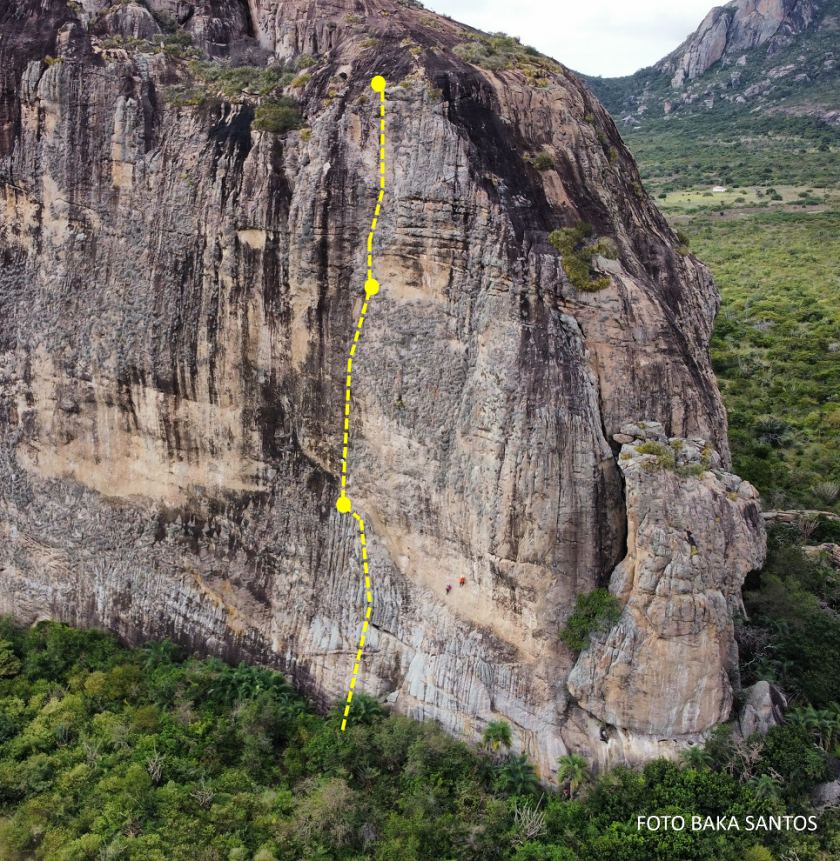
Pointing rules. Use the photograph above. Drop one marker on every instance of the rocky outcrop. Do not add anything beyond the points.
(824, 794)
(737, 27)
(700, 51)
(824, 554)
(688, 552)
(177, 294)
(764, 707)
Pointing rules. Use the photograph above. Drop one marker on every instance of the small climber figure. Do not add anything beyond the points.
(462, 581)
(448, 588)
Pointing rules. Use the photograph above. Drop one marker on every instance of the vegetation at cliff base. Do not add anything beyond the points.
(792, 635)
(148, 755)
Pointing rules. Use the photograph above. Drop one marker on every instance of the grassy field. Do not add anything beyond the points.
(776, 347)
(735, 150)
(741, 201)
(772, 241)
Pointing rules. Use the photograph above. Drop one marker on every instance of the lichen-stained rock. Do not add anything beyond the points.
(177, 295)
(694, 533)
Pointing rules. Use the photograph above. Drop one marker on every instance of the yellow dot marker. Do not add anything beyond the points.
(343, 504)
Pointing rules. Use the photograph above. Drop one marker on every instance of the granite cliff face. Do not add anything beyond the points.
(177, 294)
(741, 25)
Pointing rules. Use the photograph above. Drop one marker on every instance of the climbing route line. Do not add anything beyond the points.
(344, 505)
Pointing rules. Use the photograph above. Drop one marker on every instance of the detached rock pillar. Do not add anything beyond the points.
(694, 533)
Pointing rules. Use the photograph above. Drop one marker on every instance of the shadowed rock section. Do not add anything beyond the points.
(176, 298)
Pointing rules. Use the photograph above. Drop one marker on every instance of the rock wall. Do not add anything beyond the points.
(739, 26)
(177, 295)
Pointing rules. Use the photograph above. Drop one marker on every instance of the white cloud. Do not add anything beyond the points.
(598, 37)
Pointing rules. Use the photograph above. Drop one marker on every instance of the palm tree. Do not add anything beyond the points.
(364, 709)
(811, 719)
(575, 769)
(795, 718)
(497, 733)
(827, 728)
(764, 786)
(696, 757)
(518, 777)
(156, 653)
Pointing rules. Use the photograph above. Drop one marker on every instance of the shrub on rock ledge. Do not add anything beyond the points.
(278, 117)
(577, 252)
(597, 611)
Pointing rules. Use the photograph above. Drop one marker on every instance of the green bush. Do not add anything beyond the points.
(665, 457)
(278, 117)
(233, 82)
(577, 252)
(543, 161)
(305, 61)
(682, 237)
(500, 51)
(790, 752)
(180, 96)
(596, 612)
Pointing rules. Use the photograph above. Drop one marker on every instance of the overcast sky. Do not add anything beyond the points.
(597, 37)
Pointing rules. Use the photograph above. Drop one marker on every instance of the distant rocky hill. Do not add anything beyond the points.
(739, 26)
(759, 56)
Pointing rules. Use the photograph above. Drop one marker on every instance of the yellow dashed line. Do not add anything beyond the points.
(344, 505)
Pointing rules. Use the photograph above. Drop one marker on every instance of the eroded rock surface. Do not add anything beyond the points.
(177, 295)
(694, 532)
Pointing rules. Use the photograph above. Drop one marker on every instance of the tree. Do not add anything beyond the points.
(518, 777)
(575, 769)
(236, 684)
(696, 757)
(790, 752)
(497, 733)
(9, 664)
(764, 786)
(365, 710)
(156, 653)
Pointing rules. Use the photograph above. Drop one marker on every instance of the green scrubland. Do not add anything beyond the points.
(148, 755)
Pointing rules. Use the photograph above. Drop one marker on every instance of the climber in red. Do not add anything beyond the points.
(462, 581)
